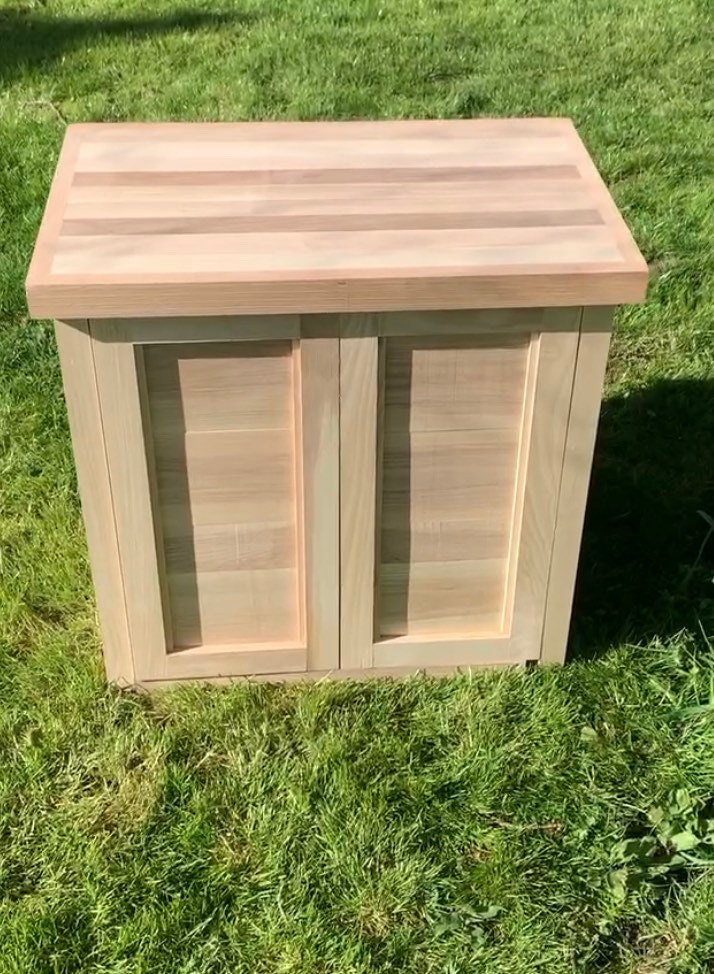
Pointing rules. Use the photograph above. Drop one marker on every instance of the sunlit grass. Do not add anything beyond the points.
(462, 825)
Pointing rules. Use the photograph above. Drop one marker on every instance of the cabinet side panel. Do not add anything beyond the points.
(543, 471)
(582, 428)
(78, 375)
(222, 421)
(452, 415)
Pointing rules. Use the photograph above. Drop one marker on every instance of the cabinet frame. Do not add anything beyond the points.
(338, 376)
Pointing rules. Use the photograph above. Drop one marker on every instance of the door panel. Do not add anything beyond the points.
(451, 422)
(236, 445)
(460, 449)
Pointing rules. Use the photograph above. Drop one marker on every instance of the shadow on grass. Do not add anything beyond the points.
(643, 571)
(31, 41)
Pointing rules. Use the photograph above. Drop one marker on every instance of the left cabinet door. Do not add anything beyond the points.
(222, 448)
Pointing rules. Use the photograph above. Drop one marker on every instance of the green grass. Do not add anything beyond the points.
(361, 828)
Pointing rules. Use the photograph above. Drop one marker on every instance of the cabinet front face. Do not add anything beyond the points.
(452, 437)
(299, 494)
(226, 556)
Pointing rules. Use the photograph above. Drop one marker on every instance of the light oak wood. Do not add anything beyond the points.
(298, 484)
(503, 322)
(80, 387)
(419, 653)
(209, 294)
(593, 347)
(441, 598)
(320, 412)
(548, 427)
(230, 547)
(210, 387)
(454, 383)
(234, 476)
(515, 524)
(455, 466)
(234, 607)
(358, 468)
(147, 220)
(216, 662)
(221, 328)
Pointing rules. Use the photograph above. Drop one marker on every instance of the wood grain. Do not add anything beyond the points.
(234, 607)
(152, 220)
(441, 598)
(216, 388)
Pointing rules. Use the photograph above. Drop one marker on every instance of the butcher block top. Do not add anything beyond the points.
(267, 217)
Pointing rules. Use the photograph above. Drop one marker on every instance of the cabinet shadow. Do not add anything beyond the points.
(647, 557)
(172, 497)
(31, 40)
(393, 542)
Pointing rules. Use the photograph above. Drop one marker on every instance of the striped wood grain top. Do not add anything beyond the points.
(188, 218)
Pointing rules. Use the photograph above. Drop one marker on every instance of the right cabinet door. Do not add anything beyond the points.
(452, 436)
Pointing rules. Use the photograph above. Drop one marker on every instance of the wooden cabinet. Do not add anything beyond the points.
(333, 388)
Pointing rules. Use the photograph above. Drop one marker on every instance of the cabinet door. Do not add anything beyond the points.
(222, 448)
(453, 430)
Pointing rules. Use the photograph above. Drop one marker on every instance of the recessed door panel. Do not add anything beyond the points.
(451, 430)
(224, 452)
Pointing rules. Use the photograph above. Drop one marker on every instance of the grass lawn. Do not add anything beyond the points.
(500, 823)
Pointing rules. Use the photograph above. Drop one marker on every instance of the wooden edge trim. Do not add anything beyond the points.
(297, 366)
(358, 459)
(625, 241)
(553, 390)
(88, 441)
(319, 407)
(216, 295)
(234, 328)
(143, 392)
(489, 322)
(312, 676)
(323, 130)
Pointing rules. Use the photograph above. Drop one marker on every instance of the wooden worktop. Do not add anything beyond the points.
(213, 219)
